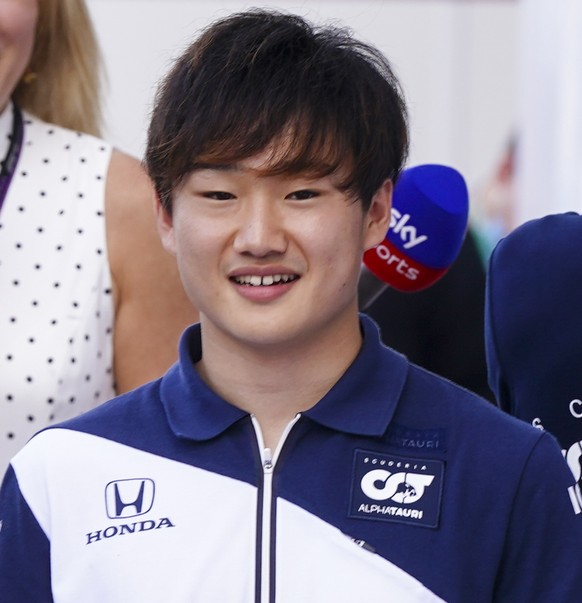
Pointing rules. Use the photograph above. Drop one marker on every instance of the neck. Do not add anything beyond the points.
(275, 384)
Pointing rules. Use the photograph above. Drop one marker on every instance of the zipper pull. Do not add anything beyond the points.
(363, 544)
(267, 459)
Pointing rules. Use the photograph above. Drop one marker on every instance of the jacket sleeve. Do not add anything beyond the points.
(542, 560)
(24, 549)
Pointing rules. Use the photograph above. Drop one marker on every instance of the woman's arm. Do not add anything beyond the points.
(151, 308)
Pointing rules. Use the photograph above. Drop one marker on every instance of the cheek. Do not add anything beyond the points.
(339, 248)
(18, 22)
(194, 240)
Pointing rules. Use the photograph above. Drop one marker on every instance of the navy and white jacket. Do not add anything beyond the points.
(398, 486)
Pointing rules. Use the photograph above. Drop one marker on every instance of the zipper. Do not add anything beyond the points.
(268, 462)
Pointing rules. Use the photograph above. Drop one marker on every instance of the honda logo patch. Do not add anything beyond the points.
(129, 497)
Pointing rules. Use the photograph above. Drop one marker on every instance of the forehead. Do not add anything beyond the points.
(252, 173)
(259, 168)
(262, 163)
(285, 156)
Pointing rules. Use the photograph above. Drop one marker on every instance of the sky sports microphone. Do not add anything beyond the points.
(430, 212)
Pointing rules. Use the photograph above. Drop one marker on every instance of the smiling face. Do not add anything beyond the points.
(17, 27)
(271, 260)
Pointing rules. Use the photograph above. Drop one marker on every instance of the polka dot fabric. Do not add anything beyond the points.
(56, 306)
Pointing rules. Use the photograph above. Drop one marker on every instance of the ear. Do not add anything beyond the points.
(165, 224)
(377, 218)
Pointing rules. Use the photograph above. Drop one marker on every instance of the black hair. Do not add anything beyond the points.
(319, 100)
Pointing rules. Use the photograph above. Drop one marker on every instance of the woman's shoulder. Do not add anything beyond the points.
(52, 137)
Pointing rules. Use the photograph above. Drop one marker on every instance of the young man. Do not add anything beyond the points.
(288, 456)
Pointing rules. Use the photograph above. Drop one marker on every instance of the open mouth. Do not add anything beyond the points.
(264, 281)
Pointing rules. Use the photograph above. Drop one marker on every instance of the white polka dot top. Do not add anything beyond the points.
(56, 306)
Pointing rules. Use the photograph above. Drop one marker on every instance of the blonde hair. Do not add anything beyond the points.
(62, 84)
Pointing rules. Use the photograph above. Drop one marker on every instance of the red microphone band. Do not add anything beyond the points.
(404, 274)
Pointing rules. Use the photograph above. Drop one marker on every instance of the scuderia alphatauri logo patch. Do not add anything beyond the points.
(395, 488)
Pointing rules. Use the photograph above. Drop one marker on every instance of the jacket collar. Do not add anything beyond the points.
(362, 402)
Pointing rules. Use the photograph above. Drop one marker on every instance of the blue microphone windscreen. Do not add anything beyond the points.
(430, 211)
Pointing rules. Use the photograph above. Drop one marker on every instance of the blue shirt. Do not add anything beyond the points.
(397, 486)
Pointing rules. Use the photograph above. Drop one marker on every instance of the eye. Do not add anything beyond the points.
(302, 195)
(218, 195)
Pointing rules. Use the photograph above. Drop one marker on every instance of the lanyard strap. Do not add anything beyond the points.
(11, 159)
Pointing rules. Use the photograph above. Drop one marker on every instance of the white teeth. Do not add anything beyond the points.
(265, 281)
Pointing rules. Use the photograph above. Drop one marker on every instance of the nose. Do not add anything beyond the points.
(260, 232)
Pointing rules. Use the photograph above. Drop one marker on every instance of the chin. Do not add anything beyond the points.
(268, 337)
(270, 334)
